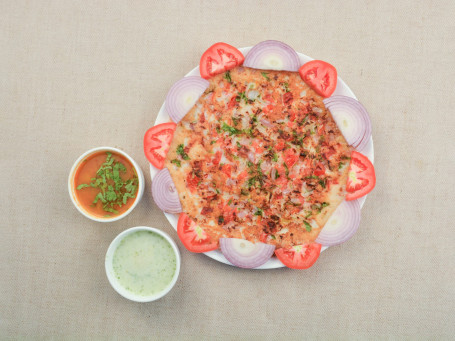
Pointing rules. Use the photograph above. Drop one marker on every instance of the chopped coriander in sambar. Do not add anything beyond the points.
(106, 184)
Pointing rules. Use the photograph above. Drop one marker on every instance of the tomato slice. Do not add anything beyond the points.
(157, 141)
(320, 76)
(193, 237)
(219, 58)
(361, 178)
(299, 256)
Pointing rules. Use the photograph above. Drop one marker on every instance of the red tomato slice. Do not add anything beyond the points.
(219, 58)
(193, 237)
(361, 178)
(157, 141)
(320, 76)
(299, 256)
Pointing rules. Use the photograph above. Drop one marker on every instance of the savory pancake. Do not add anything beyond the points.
(259, 157)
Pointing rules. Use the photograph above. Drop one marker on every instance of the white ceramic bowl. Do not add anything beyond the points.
(71, 187)
(111, 274)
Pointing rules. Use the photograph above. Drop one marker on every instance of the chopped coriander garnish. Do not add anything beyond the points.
(176, 162)
(307, 226)
(238, 144)
(220, 220)
(249, 163)
(227, 76)
(240, 96)
(340, 165)
(113, 190)
(275, 157)
(235, 120)
(265, 75)
(259, 212)
(286, 87)
(212, 142)
(83, 186)
(230, 130)
(272, 236)
(249, 132)
(286, 169)
(251, 181)
(182, 153)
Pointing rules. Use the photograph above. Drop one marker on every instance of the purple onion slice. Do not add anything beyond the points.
(245, 254)
(342, 225)
(183, 95)
(164, 192)
(272, 55)
(352, 119)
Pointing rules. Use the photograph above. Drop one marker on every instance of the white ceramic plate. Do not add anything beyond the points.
(273, 263)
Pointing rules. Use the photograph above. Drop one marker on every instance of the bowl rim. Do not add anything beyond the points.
(72, 193)
(110, 271)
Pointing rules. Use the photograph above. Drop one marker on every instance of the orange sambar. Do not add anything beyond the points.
(86, 170)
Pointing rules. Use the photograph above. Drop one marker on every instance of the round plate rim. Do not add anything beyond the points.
(272, 263)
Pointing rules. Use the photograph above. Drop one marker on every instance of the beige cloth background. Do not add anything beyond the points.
(76, 75)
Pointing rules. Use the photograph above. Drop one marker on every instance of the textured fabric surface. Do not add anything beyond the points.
(80, 74)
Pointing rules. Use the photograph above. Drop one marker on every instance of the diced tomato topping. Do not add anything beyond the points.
(268, 98)
(216, 160)
(232, 102)
(263, 238)
(257, 147)
(290, 157)
(331, 151)
(242, 175)
(226, 169)
(320, 169)
(292, 115)
(192, 181)
(280, 145)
